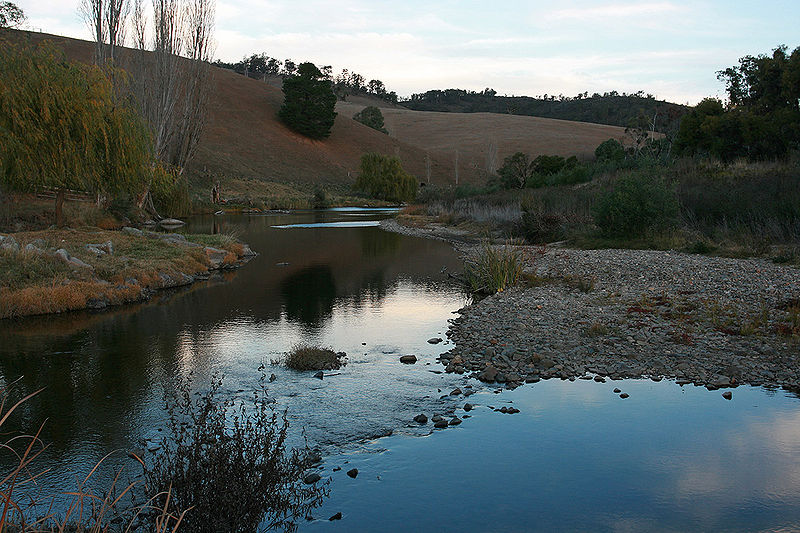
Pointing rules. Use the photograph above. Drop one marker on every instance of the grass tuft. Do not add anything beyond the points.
(305, 357)
(493, 269)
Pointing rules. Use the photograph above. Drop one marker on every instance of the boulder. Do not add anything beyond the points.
(133, 232)
(8, 243)
(434, 340)
(170, 222)
(311, 478)
(421, 419)
(408, 359)
(488, 375)
(64, 256)
(353, 473)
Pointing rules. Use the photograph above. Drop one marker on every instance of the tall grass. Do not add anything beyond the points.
(493, 269)
(86, 511)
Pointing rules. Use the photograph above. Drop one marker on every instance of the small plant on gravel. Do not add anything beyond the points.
(596, 329)
(305, 357)
(493, 269)
(582, 283)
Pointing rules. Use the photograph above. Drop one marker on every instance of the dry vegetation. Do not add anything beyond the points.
(36, 283)
(305, 357)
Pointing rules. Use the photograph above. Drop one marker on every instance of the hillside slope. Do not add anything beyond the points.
(472, 134)
(245, 142)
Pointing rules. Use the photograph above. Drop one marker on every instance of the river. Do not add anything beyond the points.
(577, 457)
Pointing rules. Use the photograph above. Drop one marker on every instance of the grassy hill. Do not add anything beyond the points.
(254, 155)
(473, 134)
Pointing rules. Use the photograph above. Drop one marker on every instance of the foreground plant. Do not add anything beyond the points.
(304, 357)
(226, 461)
(492, 269)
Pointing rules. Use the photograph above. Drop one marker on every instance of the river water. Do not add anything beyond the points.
(576, 457)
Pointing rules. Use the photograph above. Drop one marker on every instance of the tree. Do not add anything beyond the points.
(64, 129)
(610, 151)
(11, 16)
(309, 102)
(383, 177)
(371, 116)
(516, 171)
(106, 20)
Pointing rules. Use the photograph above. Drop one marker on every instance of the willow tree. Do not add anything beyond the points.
(62, 128)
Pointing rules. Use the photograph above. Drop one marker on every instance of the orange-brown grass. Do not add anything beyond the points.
(32, 283)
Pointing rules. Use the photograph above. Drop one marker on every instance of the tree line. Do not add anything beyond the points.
(345, 83)
(612, 108)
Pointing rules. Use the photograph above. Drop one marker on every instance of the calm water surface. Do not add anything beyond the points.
(576, 458)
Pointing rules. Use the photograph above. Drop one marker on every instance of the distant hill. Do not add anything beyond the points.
(610, 108)
(254, 154)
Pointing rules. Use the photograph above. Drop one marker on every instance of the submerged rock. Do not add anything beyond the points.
(353, 473)
(434, 340)
(421, 419)
(311, 478)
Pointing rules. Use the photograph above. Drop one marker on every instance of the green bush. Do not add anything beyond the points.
(638, 202)
(371, 116)
(170, 192)
(320, 199)
(610, 150)
(383, 177)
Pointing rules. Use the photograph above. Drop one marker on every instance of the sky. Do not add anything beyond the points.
(670, 49)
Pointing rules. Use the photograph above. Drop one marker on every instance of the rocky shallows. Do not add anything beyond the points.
(597, 314)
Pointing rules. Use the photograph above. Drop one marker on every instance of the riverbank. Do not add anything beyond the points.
(58, 270)
(598, 314)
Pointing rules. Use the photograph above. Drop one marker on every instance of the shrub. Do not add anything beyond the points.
(304, 357)
(170, 192)
(493, 269)
(638, 202)
(227, 462)
(371, 116)
(320, 199)
(383, 177)
(610, 150)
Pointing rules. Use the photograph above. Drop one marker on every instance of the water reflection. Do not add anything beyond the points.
(309, 294)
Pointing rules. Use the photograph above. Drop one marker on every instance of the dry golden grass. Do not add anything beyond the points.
(32, 284)
(471, 134)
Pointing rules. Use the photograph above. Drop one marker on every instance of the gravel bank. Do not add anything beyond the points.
(597, 314)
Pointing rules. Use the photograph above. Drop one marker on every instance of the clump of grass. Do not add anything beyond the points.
(583, 284)
(305, 357)
(596, 329)
(493, 269)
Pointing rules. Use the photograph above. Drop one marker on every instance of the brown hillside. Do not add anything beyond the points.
(471, 134)
(245, 140)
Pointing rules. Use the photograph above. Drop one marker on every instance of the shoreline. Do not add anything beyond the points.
(615, 314)
(55, 271)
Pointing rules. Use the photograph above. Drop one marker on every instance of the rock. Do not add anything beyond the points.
(617, 391)
(488, 375)
(600, 379)
(170, 222)
(455, 421)
(436, 418)
(455, 392)
(512, 410)
(319, 375)
(624, 395)
(101, 249)
(727, 395)
(215, 256)
(63, 255)
(546, 363)
(441, 424)
(337, 516)
(435, 340)
(9, 244)
(408, 359)
(468, 407)
(272, 377)
(311, 478)
(247, 252)
(421, 419)
(33, 249)
(353, 473)
(133, 232)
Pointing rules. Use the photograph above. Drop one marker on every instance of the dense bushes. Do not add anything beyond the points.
(638, 202)
(371, 116)
(610, 150)
(383, 177)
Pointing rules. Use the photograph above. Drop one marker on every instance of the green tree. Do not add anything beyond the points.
(371, 116)
(638, 202)
(610, 150)
(62, 128)
(383, 177)
(309, 102)
(516, 171)
(11, 15)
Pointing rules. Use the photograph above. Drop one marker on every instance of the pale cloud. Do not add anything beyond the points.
(616, 11)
